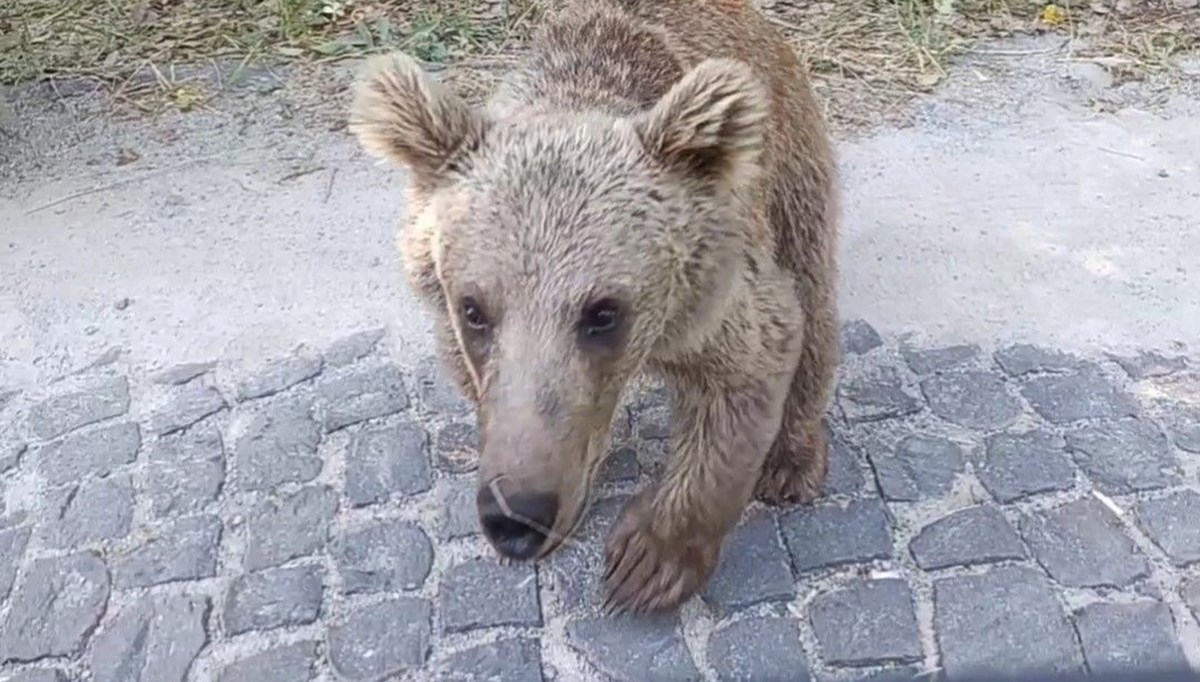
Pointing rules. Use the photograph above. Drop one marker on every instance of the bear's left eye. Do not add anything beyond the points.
(600, 319)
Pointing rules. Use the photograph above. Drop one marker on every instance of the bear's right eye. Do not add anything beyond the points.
(473, 315)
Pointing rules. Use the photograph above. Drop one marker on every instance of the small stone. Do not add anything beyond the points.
(1173, 523)
(1081, 544)
(460, 517)
(93, 511)
(479, 593)
(753, 568)
(1129, 638)
(437, 393)
(648, 648)
(91, 453)
(1017, 465)
(622, 465)
(938, 359)
(385, 461)
(186, 471)
(1007, 621)
(54, 608)
(830, 535)
(1124, 456)
(1183, 423)
(1191, 595)
(977, 535)
(859, 337)
(155, 640)
(1092, 77)
(918, 467)
(280, 374)
(13, 542)
(274, 446)
(359, 393)
(973, 399)
(875, 394)
(518, 659)
(457, 448)
(10, 456)
(291, 662)
(889, 635)
(572, 574)
(185, 549)
(1149, 364)
(1082, 394)
(78, 405)
(294, 526)
(353, 348)
(1024, 358)
(190, 404)
(766, 648)
(384, 556)
(274, 598)
(181, 374)
(381, 640)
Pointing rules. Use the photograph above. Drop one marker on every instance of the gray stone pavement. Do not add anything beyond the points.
(311, 517)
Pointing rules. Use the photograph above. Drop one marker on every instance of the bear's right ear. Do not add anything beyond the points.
(400, 113)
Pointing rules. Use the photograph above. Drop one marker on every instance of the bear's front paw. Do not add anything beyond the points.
(649, 570)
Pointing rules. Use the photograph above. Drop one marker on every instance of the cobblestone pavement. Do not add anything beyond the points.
(311, 518)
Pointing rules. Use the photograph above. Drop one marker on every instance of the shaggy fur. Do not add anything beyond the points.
(651, 191)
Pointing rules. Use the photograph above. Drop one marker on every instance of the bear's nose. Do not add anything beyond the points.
(517, 527)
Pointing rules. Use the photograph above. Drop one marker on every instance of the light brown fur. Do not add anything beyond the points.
(657, 162)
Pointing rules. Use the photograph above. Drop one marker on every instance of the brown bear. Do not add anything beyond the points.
(652, 191)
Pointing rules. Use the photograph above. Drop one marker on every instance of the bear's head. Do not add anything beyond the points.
(569, 248)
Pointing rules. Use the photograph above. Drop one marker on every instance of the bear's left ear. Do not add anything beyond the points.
(712, 121)
(401, 114)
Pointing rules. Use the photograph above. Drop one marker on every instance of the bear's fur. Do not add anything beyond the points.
(653, 190)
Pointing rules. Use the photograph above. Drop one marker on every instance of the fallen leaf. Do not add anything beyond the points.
(1053, 15)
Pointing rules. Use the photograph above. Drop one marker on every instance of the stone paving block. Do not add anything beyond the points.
(1082, 394)
(459, 515)
(972, 399)
(10, 455)
(381, 639)
(1124, 456)
(846, 637)
(183, 549)
(1007, 621)
(458, 447)
(78, 404)
(180, 374)
(518, 659)
(859, 337)
(758, 649)
(359, 393)
(976, 535)
(754, 567)
(385, 461)
(480, 593)
(573, 573)
(287, 663)
(1082, 544)
(154, 640)
(274, 598)
(436, 391)
(292, 526)
(918, 467)
(874, 394)
(1018, 465)
(88, 453)
(650, 414)
(831, 535)
(383, 556)
(352, 348)
(54, 607)
(622, 465)
(1148, 364)
(844, 476)
(274, 445)
(93, 511)
(38, 675)
(188, 405)
(646, 649)
(185, 471)
(927, 360)
(279, 374)
(1024, 358)
(1173, 523)
(1183, 423)
(1191, 595)
(13, 542)
(1129, 638)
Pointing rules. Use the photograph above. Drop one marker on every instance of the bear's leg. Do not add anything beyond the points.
(666, 542)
